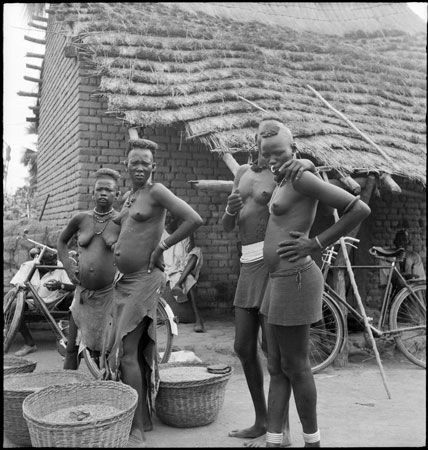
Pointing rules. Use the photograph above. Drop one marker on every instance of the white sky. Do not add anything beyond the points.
(15, 107)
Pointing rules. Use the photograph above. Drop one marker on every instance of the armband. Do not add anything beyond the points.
(351, 204)
(163, 245)
(318, 243)
(229, 213)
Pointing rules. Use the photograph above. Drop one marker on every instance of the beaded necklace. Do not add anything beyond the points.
(101, 220)
(132, 197)
(275, 194)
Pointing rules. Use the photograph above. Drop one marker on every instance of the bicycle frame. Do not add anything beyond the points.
(39, 301)
(386, 301)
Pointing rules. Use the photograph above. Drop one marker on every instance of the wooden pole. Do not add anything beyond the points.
(34, 55)
(251, 103)
(230, 162)
(28, 94)
(32, 119)
(358, 298)
(35, 80)
(212, 185)
(31, 66)
(36, 25)
(342, 116)
(40, 18)
(35, 40)
(363, 313)
(44, 206)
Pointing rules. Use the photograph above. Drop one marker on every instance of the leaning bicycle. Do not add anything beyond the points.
(402, 315)
(14, 310)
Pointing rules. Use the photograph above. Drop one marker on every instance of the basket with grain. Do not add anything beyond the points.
(190, 395)
(85, 415)
(15, 364)
(16, 387)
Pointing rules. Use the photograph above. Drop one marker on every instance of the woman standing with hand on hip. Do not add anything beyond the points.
(293, 298)
(140, 279)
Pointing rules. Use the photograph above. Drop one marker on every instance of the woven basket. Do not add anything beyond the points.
(14, 364)
(111, 431)
(190, 403)
(17, 387)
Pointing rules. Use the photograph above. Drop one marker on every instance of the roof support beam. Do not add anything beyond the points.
(35, 40)
(36, 25)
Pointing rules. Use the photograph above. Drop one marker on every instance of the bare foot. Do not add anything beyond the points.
(200, 328)
(136, 439)
(261, 441)
(246, 433)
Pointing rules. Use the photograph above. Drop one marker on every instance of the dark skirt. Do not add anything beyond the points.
(252, 284)
(294, 296)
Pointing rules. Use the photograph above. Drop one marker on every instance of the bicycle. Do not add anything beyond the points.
(405, 309)
(13, 312)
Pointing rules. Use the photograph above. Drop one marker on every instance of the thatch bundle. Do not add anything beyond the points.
(168, 64)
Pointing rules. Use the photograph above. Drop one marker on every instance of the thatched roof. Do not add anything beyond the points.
(194, 65)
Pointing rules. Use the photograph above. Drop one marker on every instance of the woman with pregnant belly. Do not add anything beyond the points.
(140, 279)
(293, 297)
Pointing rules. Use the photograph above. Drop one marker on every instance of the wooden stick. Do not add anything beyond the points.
(212, 185)
(35, 40)
(34, 55)
(251, 103)
(35, 80)
(230, 162)
(363, 313)
(359, 301)
(342, 116)
(36, 25)
(31, 66)
(28, 94)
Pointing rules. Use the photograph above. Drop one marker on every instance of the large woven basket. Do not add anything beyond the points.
(107, 431)
(15, 364)
(190, 402)
(17, 387)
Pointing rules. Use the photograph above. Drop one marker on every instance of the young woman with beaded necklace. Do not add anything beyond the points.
(96, 233)
(140, 279)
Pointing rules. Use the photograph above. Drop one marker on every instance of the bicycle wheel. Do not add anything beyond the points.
(13, 309)
(164, 339)
(164, 336)
(409, 310)
(326, 336)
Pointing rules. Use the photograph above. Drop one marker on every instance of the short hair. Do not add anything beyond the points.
(106, 172)
(143, 144)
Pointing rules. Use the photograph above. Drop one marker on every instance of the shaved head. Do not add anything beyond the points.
(270, 129)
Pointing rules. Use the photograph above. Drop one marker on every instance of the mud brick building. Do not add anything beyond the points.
(194, 77)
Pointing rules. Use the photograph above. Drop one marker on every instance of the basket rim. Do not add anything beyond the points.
(194, 383)
(19, 360)
(47, 424)
(6, 389)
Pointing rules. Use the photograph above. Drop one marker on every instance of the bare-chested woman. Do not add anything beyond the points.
(247, 207)
(138, 258)
(294, 296)
(96, 232)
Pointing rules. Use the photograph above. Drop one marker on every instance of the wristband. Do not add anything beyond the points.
(229, 213)
(163, 245)
(318, 243)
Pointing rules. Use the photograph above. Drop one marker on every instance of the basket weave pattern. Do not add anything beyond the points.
(188, 404)
(109, 432)
(14, 364)
(15, 425)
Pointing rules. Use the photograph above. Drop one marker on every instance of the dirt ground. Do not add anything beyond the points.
(353, 407)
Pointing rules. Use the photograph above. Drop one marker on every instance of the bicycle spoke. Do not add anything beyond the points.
(409, 310)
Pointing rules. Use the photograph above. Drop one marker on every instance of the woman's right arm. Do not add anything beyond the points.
(62, 245)
(234, 202)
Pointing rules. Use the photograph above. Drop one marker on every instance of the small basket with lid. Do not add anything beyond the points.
(190, 395)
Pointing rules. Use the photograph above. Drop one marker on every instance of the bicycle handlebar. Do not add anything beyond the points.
(44, 246)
